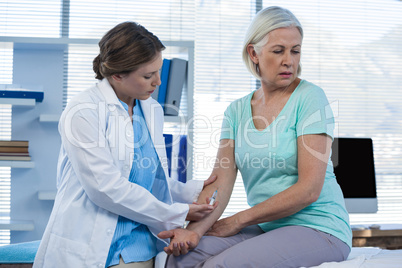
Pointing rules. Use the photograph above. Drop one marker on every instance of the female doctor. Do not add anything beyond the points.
(114, 193)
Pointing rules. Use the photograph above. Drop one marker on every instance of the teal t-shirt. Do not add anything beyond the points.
(267, 159)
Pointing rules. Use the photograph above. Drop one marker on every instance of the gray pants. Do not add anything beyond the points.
(141, 264)
(291, 246)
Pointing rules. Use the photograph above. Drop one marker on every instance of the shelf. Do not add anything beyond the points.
(387, 239)
(377, 232)
(17, 164)
(51, 118)
(18, 101)
(48, 40)
(47, 195)
(16, 225)
(65, 40)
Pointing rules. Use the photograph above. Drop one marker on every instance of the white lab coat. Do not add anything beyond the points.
(93, 188)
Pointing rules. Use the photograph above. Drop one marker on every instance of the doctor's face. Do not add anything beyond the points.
(138, 84)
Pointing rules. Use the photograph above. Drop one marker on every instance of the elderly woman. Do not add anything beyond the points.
(279, 137)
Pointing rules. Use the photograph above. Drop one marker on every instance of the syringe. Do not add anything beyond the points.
(212, 199)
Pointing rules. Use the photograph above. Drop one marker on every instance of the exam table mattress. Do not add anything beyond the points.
(358, 258)
(368, 258)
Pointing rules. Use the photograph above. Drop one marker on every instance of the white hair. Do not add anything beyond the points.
(265, 21)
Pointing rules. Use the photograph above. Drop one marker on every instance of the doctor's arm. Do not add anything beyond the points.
(84, 140)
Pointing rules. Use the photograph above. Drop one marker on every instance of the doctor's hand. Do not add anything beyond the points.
(197, 212)
(210, 180)
(181, 241)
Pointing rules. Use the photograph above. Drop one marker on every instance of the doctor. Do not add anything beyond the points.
(114, 192)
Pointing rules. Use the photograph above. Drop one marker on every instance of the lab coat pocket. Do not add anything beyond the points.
(63, 252)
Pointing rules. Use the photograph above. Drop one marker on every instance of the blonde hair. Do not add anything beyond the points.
(265, 21)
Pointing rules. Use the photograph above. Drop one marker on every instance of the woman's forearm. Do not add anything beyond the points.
(225, 169)
(282, 205)
(225, 187)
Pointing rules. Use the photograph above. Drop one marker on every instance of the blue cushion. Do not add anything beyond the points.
(19, 253)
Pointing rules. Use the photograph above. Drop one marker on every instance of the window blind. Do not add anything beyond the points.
(172, 19)
(169, 20)
(6, 62)
(79, 74)
(220, 78)
(39, 18)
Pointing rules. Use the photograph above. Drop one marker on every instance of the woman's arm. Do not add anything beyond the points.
(313, 154)
(225, 169)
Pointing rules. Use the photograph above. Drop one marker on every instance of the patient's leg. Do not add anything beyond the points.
(292, 246)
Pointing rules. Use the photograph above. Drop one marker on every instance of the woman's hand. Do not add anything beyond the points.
(225, 227)
(181, 241)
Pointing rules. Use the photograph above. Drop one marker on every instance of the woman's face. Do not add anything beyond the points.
(139, 84)
(279, 59)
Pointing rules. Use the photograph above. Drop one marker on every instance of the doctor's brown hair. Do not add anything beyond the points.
(124, 49)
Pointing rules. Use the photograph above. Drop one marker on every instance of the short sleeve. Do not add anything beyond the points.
(231, 119)
(228, 129)
(315, 114)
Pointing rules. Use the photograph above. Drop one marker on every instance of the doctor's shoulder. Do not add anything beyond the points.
(84, 103)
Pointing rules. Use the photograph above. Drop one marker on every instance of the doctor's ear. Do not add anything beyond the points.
(117, 77)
